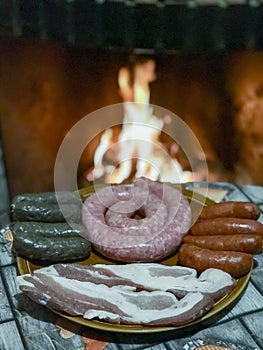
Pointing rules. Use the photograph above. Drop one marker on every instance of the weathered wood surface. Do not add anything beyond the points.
(26, 325)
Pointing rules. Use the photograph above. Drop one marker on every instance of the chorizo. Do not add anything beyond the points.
(245, 210)
(251, 244)
(237, 264)
(227, 226)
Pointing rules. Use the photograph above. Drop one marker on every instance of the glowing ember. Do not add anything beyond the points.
(139, 137)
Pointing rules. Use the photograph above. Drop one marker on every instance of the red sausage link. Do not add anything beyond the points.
(237, 264)
(246, 210)
(251, 244)
(227, 226)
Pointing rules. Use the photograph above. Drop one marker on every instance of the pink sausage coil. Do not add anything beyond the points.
(108, 215)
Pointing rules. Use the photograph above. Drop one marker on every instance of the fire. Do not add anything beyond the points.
(139, 137)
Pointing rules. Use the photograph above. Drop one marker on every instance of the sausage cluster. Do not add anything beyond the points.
(40, 231)
(225, 236)
(145, 221)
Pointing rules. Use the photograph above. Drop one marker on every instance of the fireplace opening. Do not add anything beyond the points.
(46, 88)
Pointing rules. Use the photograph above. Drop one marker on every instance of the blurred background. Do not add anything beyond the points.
(60, 60)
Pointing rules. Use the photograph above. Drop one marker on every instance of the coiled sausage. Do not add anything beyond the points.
(108, 215)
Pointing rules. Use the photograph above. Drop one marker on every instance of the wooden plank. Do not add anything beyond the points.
(257, 274)
(43, 341)
(229, 333)
(250, 301)
(236, 195)
(232, 332)
(5, 308)
(255, 193)
(38, 324)
(9, 337)
(6, 257)
(254, 324)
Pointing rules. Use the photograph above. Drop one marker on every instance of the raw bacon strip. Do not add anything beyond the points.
(214, 282)
(114, 304)
(142, 276)
(149, 276)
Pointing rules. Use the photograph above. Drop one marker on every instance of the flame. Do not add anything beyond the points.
(140, 134)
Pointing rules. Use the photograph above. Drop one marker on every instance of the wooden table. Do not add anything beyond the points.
(26, 325)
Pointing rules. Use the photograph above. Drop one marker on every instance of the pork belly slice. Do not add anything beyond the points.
(114, 304)
(142, 276)
(149, 276)
(214, 282)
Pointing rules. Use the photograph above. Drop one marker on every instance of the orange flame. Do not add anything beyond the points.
(140, 134)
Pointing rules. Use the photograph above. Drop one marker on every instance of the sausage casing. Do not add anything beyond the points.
(47, 197)
(246, 210)
(48, 229)
(251, 244)
(227, 226)
(237, 264)
(46, 212)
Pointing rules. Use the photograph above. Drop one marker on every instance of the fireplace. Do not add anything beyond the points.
(55, 71)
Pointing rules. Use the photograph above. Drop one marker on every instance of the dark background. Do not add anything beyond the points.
(59, 62)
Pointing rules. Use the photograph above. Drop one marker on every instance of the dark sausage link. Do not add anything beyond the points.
(246, 210)
(251, 244)
(46, 249)
(45, 212)
(48, 229)
(227, 226)
(237, 264)
(47, 197)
